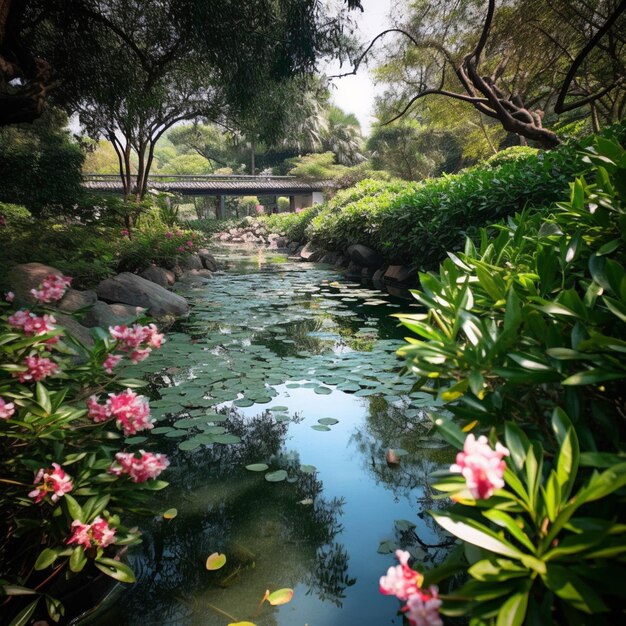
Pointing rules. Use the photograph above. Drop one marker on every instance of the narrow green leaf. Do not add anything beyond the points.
(115, 569)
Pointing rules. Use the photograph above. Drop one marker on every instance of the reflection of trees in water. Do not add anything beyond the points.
(388, 426)
(271, 539)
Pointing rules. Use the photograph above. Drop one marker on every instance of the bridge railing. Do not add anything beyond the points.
(189, 177)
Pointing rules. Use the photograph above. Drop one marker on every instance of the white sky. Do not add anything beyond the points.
(355, 94)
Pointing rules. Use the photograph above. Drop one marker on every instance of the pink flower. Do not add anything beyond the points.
(189, 244)
(55, 481)
(9, 296)
(482, 467)
(38, 369)
(125, 232)
(110, 362)
(131, 338)
(97, 534)
(97, 412)
(138, 355)
(422, 609)
(6, 409)
(131, 412)
(31, 324)
(152, 336)
(401, 581)
(139, 469)
(179, 233)
(169, 235)
(52, 288)
(180, 249)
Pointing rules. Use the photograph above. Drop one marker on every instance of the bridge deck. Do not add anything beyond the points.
(212, 185)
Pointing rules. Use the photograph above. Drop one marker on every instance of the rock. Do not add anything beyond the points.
(367, 273)
(354, 270)
(330, 258)
(310, 253)
(193, 277)
(292, 246)
(75, 329)
(131, 289)
(156, 275)
(208, 260)
(342, 260)
(191, 262)
(26, 276)
(73, 300)
(365, 256)
(105, 315)
(171, 277)
(400, 273)
(281, 242)
(377, 278)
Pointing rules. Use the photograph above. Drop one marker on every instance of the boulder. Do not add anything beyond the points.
(377, 278)
(128, 288)
(105, 315)
(292, 246)
(310, 253)
(365, 256)
(342, 260)
(330, 258)
(281, 242)
(191, 262)
(156, 275)
(73, 300)
(400, 273)
(26, 276)
(194, 277)
(354, 270)
(75, 329)
(208, 260)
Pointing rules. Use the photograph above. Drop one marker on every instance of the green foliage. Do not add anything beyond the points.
(524, 334)
(212, 226)
(420, 222)
(43, 423)
(40, 167)
(14, 216)
(316, 167)
(291, 225)
(511, 154)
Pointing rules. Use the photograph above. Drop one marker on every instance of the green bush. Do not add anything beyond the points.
(211, 226)
(290, 225)
(419, 222)
(64, 462)
(511, 155)
(523, 338)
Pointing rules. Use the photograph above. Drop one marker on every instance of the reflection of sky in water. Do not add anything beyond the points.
(224, 508)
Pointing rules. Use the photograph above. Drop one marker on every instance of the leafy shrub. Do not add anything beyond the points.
(524, 335)
(14, 216)
(211, 226)
(511, 155)
(419, 222)
(66, 484)
(290, 225)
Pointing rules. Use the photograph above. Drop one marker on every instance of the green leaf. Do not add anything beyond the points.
(115, 569)
(450, 431)
(568, 455)
(22, 618)
(17, 590)
(569, 587)
(475, 533)
(73, 508)
(215, 561)
(46, 558)
(280, 596)
(506, 521)
(276, 477)
(78, 560)
(257, 467)
(513, 610)
(43, 398)
(593, 376)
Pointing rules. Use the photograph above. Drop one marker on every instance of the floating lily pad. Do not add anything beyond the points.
(323, 391)
(192, 444)
(308, 469)
(319, 427)
(404, 524)
(279, 409)
(257, 467)
(276, 477)
(280, 596)
(176, 433)
(386, 547)
(328, 421)
(226, 439)
(243, 403)
(215, 561)
(170, 514)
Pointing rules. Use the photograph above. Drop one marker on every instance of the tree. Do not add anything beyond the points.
(343, 137)
(488, 56)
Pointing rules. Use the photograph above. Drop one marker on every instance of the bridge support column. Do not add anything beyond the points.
(292, 204)
(222, 206)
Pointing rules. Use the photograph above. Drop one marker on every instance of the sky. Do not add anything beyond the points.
(355, 94)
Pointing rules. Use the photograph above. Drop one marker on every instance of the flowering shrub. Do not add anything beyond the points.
(523, 338)
(67, 475)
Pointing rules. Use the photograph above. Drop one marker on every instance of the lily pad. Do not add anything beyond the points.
(280, 596)
(319, 427)
(276, 477)
(243, 402)
(279, 409)
(226, 439)
(187, 446)
(386, 547)
(215, 561)
(170, 514)
(404, 524)
(328, 421)
(308, 469)
(323, 391)
(257, 467)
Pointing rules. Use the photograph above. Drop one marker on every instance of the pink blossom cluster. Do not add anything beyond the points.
(130, 411)
(139, 469)
(54, 481)
(7, 409)
(110, 362)
(52, 288)
(422, 607)
(97, 534)
(31, 324)
(38, 368)
(9, 296)
(137, 340)
(481, 466)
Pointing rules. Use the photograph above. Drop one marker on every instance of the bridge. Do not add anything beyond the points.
(301, 194)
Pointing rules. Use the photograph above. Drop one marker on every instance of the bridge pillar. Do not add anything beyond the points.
(222, 206)
(292, 204)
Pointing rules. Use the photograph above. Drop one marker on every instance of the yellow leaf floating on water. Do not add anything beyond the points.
(280, 596)
(241, 624)
(215, 561)
(170, 514)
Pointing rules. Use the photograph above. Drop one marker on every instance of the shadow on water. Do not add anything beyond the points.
(288, 366)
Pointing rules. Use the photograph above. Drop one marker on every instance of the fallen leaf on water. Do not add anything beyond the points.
(280, 596)
(215, 561)
(170, 514)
